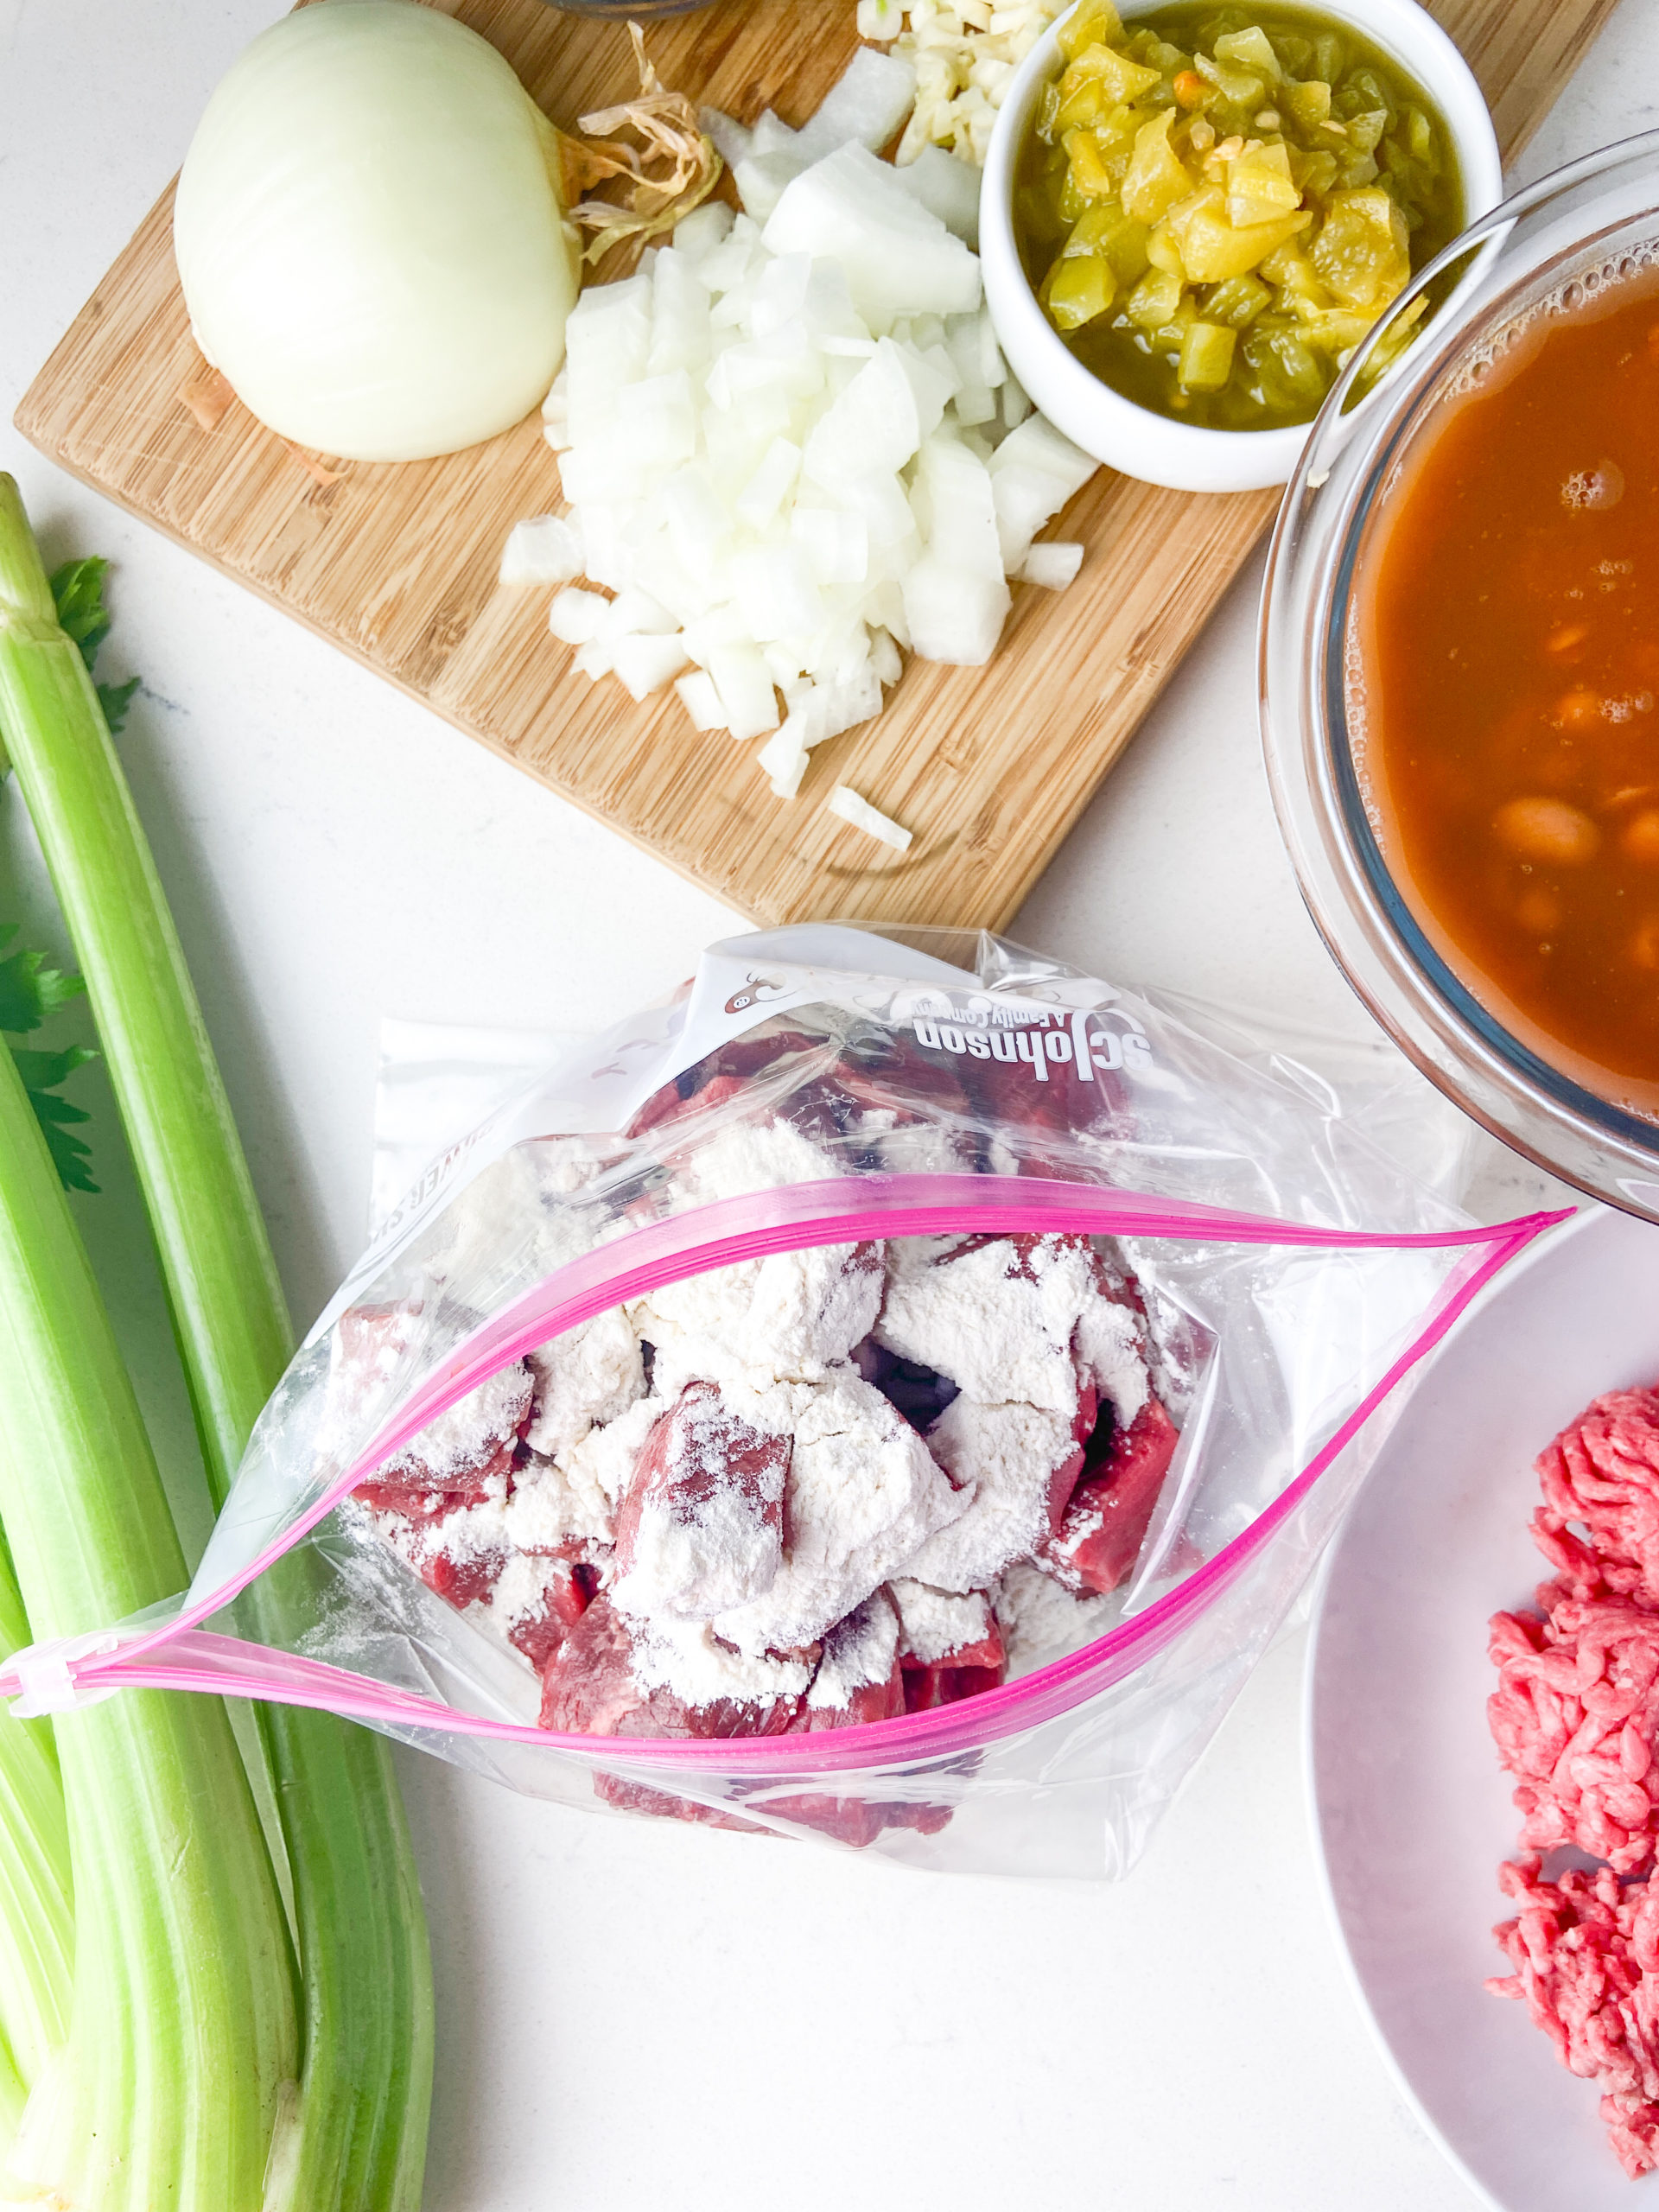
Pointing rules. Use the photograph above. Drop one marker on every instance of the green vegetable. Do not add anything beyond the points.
(30, 992)
(37, 1932)
(361, 2118)
(78, 591)
(182, 2028)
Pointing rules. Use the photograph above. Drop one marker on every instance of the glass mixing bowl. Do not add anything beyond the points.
(1568, 231)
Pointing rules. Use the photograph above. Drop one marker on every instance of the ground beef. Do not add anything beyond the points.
(1586, 1955)
(1575, 1718)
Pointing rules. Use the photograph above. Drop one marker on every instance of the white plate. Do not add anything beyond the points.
(1411, 1813)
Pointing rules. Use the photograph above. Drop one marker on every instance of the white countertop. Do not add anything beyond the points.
(634, 2014)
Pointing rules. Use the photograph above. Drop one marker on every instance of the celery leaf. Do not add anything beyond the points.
(115, 699)
(31, 990)
(78, 587)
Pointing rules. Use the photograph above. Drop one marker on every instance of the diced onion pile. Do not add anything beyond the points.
(790, 447)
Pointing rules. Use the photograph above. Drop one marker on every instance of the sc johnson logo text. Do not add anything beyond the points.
(1077, 1047)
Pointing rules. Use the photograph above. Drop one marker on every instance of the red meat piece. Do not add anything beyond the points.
(724, 1074)
(629, 1797)
(587, 1688)
(986, 1651)
(568, 1593)
(893, 1072)
(370, 1337)
(1576, 1717)
(1584, 1952)
(701, 1458)
(926, 1688)
(1602, 1472)
(1103, 1529)
(1038, 1115)
(857, 1821)
(858, 1645)
(590, 1689)
(463, 1582)
(431, 1497)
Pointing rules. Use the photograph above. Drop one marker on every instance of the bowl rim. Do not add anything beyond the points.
(1190, 456)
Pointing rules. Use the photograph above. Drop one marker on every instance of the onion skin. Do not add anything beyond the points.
(370, 235)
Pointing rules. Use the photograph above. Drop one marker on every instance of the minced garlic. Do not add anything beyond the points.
(964, 52)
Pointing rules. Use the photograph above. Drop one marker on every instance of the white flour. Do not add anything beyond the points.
(604, 1459)
(859, 1654)
(1007, 1458)
(775, 1521)
(937, 1623)
(863, 1496)
(1041, 1622)
(685, 1658)
(701, 1529)
(590, 1374)
(467, 1436)
(553, 1505)
(999, 1322)
(787, 1318)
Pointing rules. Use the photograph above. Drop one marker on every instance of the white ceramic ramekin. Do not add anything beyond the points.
(1125, 435)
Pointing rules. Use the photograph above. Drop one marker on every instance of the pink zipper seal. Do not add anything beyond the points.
(181, 1653)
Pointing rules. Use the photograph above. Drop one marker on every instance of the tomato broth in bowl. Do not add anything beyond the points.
(1503, 678)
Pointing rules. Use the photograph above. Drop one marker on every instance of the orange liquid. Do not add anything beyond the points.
(1510, 641)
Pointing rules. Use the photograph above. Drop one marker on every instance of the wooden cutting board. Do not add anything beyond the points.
(990, 767)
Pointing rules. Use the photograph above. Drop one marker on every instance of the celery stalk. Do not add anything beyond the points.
(37, 1929)
(366, 1970)
(184, 2029)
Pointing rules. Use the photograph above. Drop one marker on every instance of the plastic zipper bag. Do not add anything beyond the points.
(873, 1397)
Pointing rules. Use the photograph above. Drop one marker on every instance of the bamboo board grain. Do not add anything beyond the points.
(990, 767)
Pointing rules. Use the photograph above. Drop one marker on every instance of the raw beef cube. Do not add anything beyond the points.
(1042, 1622)
(631, 1796)
(1101, 1531)
(474, 1441)
(463, 1582)
(940, 1628)
(458, 1549)
(997, 1314)
(700, 1526)
(863, 1496)
(698, 1686)
(409, 1501)
(727, 1073)
(1020, 1464)
(537, 1601)
(790, 1318)
(858, 1678)
(588, 1687)
(851, 1820)
(926, 1688)
(616, 1676)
